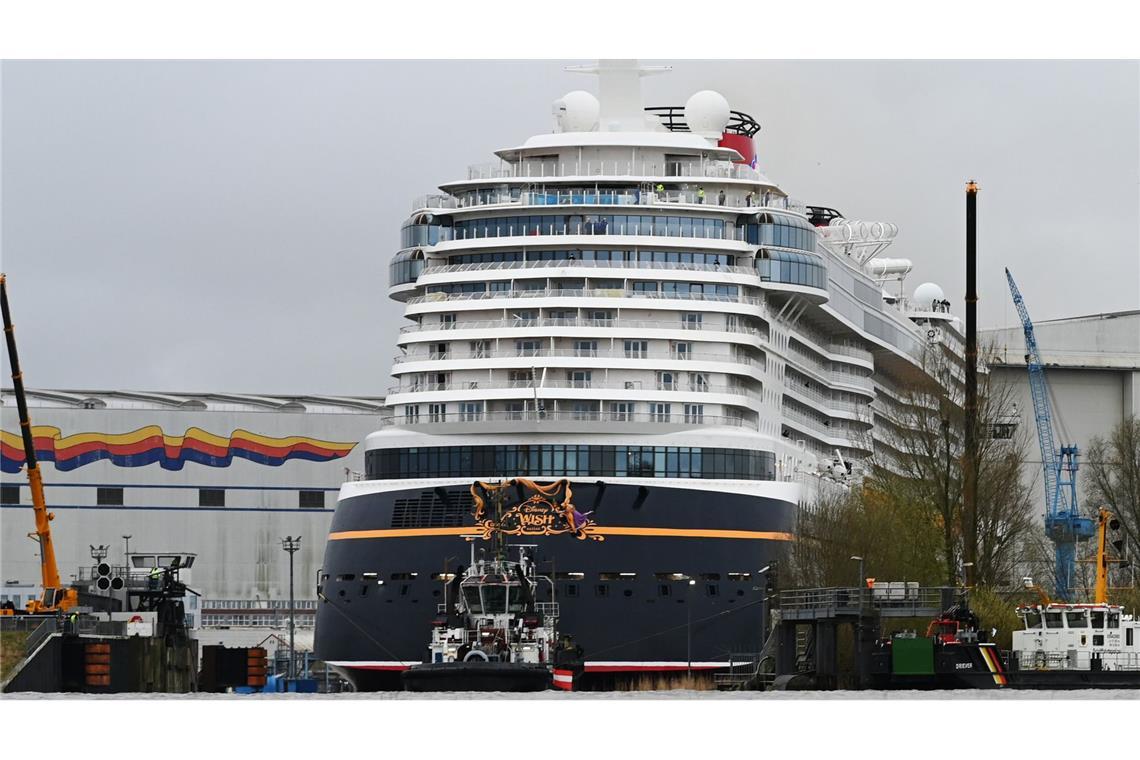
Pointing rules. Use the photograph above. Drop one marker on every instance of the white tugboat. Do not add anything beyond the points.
(491, 633)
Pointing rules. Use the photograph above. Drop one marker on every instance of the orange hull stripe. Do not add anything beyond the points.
(601, 530)
(687, 533)
(402, 533)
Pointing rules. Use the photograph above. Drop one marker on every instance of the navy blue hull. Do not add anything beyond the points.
(368, 629)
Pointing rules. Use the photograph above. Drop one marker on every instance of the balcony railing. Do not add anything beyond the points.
(617, 353)
(674, 418)
(635, 385)
(650, 324)
(816, 397)
(654, 170)
(847, 350)
(583, 293)
(599, 197)
(482, 266)
(824, 428)
(858, 381)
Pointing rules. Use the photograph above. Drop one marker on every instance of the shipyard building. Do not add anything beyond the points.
(1092, 366)
(224, 476)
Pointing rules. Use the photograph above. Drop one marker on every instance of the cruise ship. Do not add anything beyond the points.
(662, 350)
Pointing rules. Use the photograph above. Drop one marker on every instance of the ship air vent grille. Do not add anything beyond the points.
(428, 510)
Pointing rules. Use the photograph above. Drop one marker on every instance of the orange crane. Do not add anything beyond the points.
(1105, 522)
(55, 598)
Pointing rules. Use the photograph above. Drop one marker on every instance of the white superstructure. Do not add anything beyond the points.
(632, 273)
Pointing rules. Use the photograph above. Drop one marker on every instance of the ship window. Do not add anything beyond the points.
(712, 589)
(1053, 620)
(404, 576)
(474, 604)
(571, 589)
(1032, 619)
(601, 589)
(664, 589)
(109, 497)
(740, 577)
(211, 497)
(514, 597)
(312, 499)
(710, 576)
(1114, 620)
(1097, 618)
(1098, 639)
(1077, 619)
(494, 599)
(346, 577)
(569, 576)
(1128, 637)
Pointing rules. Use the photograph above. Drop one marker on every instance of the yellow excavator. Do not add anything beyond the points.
(55, 597)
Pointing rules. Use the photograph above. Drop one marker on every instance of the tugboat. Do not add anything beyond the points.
(491, 633)
(952, 655)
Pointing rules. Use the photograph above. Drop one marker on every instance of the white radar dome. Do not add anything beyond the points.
(576, 111)
(707, 113)
(926, 294)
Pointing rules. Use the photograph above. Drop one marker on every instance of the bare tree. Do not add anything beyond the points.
(1112, 479)
(918, 462)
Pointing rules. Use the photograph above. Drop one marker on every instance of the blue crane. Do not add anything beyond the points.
(1063, 522)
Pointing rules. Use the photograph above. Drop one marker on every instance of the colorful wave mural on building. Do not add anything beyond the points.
(150, 444)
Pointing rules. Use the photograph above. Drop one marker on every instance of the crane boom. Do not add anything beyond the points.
(1063, 523)
(54, 597)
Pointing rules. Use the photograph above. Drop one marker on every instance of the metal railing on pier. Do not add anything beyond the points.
(894, 600)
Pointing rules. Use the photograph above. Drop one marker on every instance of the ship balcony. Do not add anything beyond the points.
(821, 430)
(583, 327)
(648, 390)
(862, 383)
(451, 300)
(602, 353)
(830, 378)
(840, 352)
(563, 421)
(832, 407)
(433, 272)
(641, 171)
(735, 197)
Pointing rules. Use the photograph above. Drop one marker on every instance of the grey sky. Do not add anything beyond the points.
(227, 225)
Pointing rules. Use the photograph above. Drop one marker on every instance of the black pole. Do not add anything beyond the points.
(17, 377)
(689, 632)
(292, 624)
(969, 459)
(291, 545)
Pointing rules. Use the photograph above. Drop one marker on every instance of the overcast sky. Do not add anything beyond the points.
(226, 226)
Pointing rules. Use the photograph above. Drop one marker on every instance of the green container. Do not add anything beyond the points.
(912, 657)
